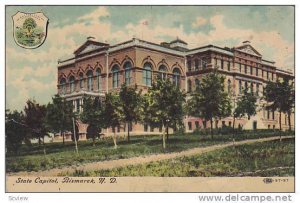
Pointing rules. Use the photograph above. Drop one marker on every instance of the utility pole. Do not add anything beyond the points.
(76, 147)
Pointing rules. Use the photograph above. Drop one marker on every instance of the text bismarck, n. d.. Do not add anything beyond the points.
(66, 180)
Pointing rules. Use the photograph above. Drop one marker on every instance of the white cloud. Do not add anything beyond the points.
(200, 21)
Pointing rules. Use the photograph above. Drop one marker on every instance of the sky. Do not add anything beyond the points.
(32, 73)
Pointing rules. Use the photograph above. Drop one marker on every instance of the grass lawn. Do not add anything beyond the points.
(58, 155)
(273, 158)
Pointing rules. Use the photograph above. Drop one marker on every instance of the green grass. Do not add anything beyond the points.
(272, 158)
(58, 155)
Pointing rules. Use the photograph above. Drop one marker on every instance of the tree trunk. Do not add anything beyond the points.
(115, 139)
(63, 135)
(44, 145)
(164, 138)
(289, 120)
(211, 129)
(94, 140)
(167, 130)
(233, 134)
(280, 125)
(128, 132)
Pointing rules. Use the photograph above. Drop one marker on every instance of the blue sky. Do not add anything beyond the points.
(33, 73)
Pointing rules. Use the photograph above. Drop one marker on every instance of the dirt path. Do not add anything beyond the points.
(138, 160)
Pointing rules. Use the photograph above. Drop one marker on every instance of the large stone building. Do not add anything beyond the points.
(98, 68)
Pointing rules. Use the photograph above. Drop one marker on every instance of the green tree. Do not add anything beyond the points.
(131, 103)
(280, 96)
(209, 100)
(163, 106)
(34, 119)
(92, 115)
(59, 116)
(29, 25)
(245, 106)
(15, 131)
(113, 114)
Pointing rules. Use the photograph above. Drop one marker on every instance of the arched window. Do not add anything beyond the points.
(98, 78)
(147, 74)
(72, 83)
(89, 75)
(197, 83)
(189, 86)
(229, 86)
(63, 85)
(162, 72)
(127, 68)
(240, 86)
(115, 76)
(176, 77)
(81, 80)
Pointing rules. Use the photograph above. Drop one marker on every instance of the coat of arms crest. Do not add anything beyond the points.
(30, 29)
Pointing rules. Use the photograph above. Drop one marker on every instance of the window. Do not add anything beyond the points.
(203, 64)
(273, 115)
(189, 64)
(72, 84)
(228, 66)
(268, 114)
(245, 69)
(222, 64)
(223, 124)
(262, 73)
(257, 89)
(176, 77)
(63, 85)
(251, 87)
(251, 70)
(197, 83)
(246, 86)
(197, 124)
(196, 64)
(145, 127)
(77, 105)
(81, 80)
(204, 124)
(229, 86)
(89, 75)
(229, 123)
(240, 65)
(162, 72)
(216, 62)
(115, 76)
(254, 125)
(256, 71)
(98, 78)
(147, 74)
(190, 125)
(127, 68)
(240, 86)
(267, 75)
(189, 86)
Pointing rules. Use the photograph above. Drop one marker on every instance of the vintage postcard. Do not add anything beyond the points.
(149, 98)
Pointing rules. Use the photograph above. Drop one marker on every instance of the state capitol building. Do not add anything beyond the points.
(98, 68)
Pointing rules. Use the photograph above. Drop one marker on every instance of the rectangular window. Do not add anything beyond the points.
(268, 114)
(127, 76)
(77, 105)
(240, 65)
(228, 66)
(267, 75)
(262, 73)
(256, 71)
(189, 64)
(254, 125)
(222, 64)
(190, 125)
(197, 124)
(251, 70)
(273, 115)
(245, 69)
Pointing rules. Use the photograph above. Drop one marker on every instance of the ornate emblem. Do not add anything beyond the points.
(30, 29)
